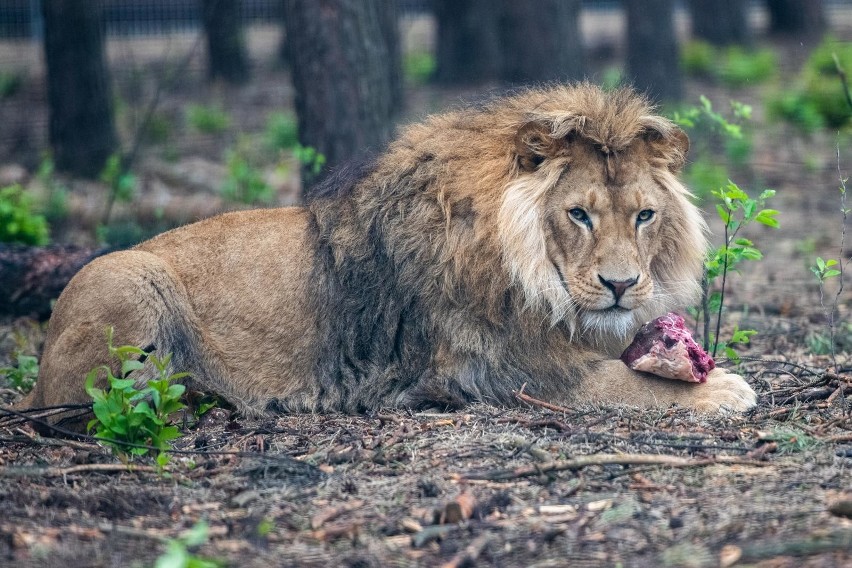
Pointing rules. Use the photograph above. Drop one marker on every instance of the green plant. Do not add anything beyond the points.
(819, 98)
(312, 161)
(612, 78)
(19, 223)
(736, 210)
(418, 67)
(179, 553)
(127, 418)
(207, 119)
(23, 375)
(55, 205)
(245, 183)
(733, 66)
(10, 83)
(790, 440)
(741, 67)
(825, 270)
(698, 58)
(122, 183)
(709, 130)
(282, 131)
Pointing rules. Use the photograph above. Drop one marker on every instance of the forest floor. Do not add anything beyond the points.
(487, 486)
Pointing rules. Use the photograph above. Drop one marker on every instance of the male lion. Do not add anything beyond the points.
(520, 242)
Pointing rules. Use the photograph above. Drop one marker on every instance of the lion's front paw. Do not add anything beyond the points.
(723, 391)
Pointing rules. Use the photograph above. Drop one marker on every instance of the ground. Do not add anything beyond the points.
(528, 486)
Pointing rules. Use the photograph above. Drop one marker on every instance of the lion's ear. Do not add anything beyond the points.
(534, 144)
(668, 142)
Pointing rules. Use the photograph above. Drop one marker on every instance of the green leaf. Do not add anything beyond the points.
(130, 365)
(820, 264)
(724, 214)
(831, 273)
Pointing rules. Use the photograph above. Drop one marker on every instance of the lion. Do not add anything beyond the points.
(518, 242)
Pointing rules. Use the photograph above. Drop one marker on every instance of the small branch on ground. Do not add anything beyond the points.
(609, 459)
(469, 555)
(50, 471)
(520, 395)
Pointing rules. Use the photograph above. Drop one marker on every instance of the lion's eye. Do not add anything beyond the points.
(644, 216)
(580, 215)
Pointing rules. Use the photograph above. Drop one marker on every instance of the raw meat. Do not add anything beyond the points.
(664, 347)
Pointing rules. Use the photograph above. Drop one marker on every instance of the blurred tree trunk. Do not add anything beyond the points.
(341, 69)
(653, 61)
(468, 41)
(804, 17)
(720, 22)
(541, 42)
(389, 23)
(81, 128)
(226, 51)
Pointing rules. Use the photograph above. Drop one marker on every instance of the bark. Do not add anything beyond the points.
(804, 17)
(226, 51)
(720, 22)
(81, 128)
(31, 278)
(541, 41)
(342, 74)
(468, 50)
(652, 51)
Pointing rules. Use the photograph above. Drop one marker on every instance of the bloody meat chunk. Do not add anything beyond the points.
(664, 347)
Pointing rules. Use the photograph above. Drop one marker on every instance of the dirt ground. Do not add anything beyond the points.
(487, 486)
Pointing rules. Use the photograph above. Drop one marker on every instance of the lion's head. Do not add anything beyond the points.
(572, 190)
(595, 226)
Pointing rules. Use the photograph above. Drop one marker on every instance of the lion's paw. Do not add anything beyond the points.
(723, 391)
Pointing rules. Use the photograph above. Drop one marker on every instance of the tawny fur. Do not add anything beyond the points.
(455, 268)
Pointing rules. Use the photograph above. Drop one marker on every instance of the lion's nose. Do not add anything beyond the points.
(618, 287)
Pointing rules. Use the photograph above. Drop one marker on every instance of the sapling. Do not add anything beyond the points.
(129, 419)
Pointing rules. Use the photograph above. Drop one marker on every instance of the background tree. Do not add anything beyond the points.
(468, 43)
(541, 43)
(81, 128)
(341, 64)
(653, 60)
(720, 22)
(803, 17)
(226, 51)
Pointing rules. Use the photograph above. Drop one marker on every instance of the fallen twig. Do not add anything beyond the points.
(469, 554)
(52, 471)
(536, 402)
(608, 459)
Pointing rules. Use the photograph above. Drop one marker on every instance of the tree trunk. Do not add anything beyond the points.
(541, 42)
(652, 50)
(81, 129)
(226, 51)
(341, 69)
(803, 17)
(389, 22)
(720, 22)
(468, 41)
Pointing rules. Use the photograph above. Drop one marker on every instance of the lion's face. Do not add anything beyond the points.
(603, 239)
(602, 235)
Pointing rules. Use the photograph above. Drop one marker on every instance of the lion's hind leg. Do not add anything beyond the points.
(141, 298)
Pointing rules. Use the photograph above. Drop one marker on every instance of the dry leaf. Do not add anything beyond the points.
(729, 555)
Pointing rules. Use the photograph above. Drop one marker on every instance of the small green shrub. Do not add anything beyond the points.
(126, 415)
(740, 67)
(23, 375)
(179, 553)
(244, 182)
(819, 99)
(705, 175)
(282, 131)
(732, 66)
(122, 183)
(698, 58)
(418, 67)
(19, 223)
(310, 159)
(207, 119)
(10, 83)
(55, 205)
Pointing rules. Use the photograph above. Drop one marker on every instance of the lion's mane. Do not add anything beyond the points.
(434, 255)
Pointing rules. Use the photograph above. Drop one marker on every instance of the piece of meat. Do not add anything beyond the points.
(664, 347)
